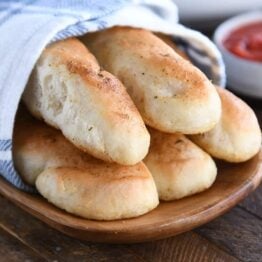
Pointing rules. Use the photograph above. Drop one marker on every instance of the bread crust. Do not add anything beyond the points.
(179, 167)
(237, 136)
(171, 94)
(70, 91)
(77, 182)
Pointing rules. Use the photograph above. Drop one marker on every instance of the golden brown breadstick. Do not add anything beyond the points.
(71, 92)
(237, 136)
(179, 167)
(77, 182)
(171, 94)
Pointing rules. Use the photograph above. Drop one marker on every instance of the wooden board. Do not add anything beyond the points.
(53, 245)
(234, 182)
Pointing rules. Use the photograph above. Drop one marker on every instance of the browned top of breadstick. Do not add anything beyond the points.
(171, 94)
(91, 107)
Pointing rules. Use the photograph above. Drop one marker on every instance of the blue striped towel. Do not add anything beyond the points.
(27, 26)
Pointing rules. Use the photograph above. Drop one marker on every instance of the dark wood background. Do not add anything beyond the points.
(235, 236)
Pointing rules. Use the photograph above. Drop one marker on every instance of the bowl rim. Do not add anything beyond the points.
(233, 23)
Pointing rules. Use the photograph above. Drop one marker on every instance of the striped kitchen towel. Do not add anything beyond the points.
(27, 26)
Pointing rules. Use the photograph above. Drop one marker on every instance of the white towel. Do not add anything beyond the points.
(27, 26)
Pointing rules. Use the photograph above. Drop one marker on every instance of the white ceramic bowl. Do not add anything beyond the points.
(208, 10)
(244, 76)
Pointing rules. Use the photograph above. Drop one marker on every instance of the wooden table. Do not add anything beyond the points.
(235, 236)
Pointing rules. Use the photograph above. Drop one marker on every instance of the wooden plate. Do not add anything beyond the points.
(234, 182)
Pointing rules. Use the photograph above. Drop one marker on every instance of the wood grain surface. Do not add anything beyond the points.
(222, 239)
(233, 183)
(50, 244)
(238, 226)
(13, 250)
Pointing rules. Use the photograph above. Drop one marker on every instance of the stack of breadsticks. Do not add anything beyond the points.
(94, 155)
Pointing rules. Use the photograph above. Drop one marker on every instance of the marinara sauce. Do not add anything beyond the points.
(246, 41)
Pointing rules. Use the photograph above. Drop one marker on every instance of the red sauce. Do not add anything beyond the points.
(246, 41)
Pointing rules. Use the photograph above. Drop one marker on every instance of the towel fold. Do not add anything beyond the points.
(27, 26)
